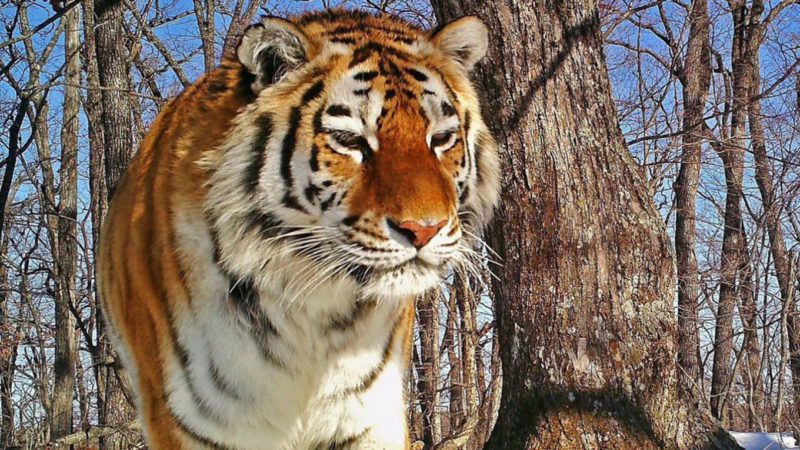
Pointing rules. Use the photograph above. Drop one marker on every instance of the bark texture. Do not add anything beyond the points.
(428, 367)
(66, 259)
(113, 73)
(113, 76)
(696, 78)
(733, 279)
(585, 305)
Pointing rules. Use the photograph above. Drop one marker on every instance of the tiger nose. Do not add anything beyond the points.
(419, 233)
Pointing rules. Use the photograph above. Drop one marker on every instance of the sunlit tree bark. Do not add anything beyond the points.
(584, 304)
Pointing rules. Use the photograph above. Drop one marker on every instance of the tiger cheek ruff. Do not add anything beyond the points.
(261, 256)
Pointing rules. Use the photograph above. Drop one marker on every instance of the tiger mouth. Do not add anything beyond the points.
(363, 273)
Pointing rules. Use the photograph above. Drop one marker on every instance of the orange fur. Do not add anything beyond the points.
(142, 279)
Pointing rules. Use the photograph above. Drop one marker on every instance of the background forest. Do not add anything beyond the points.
(707, 93)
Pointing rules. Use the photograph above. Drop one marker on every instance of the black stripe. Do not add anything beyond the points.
(331, 15)
(312, 192)
(365, 76)
(419, 76)
(373, 374)
(371, 27)
(220, 384)
(338, 111)
(186, 373)
(359, 310)
(364, 52)
(185, 429)
(313, 161)
(344, 444)
(327, 203)
(313, 92)
(389, 69)
(245, 85)
(317, 123)
(470, 164)
(361, 92)
(217, 250)
(344, 40)
(287, 150)
(217, 88)
(245, 297)
(464, 194)
(479, 149)
(265, 223)
(259, 147)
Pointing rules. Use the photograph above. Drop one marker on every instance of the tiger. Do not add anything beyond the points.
(261, 255)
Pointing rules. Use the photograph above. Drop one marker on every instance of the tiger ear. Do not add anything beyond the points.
(465, 40)
(272, 48)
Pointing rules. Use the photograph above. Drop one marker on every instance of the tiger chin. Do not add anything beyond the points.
(260, 258)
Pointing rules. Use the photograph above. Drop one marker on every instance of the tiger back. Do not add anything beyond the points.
(260, 257)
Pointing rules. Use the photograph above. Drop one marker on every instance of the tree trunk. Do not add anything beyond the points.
(10, 162)
(455, 415)
(748, 311)
(204, 11)
(585, 303)
(114, 77)
(9, 344)
(696, 79)
(94, 112)
(469, 342)
(67, 256)
(117, 149)
(732, 155)
(428, 382)
(772, 208)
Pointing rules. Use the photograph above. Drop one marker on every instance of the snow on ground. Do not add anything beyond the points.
(765, 441)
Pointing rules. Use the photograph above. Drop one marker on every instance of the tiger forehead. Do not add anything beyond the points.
(355, 27)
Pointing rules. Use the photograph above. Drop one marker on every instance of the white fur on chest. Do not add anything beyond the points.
(313, 394)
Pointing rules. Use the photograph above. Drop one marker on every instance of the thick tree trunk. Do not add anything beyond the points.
(696, 79)
(585, 302)
(66, 259)
(114, 77)
(117, 132)
(94, 112)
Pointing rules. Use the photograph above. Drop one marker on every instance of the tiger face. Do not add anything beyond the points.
(363, 161)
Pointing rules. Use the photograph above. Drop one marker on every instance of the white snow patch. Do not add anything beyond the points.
(765, 441)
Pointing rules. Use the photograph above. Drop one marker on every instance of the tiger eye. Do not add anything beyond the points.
(440, 139)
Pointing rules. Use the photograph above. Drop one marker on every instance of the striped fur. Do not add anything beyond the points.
(255, 278)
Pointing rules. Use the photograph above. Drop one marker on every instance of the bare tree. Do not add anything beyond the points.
(65, 259)
(696, 80)
(584, 315)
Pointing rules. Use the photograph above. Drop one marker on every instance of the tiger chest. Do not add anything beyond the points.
(293, 377)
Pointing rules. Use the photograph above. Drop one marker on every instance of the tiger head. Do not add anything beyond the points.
(364, 158)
